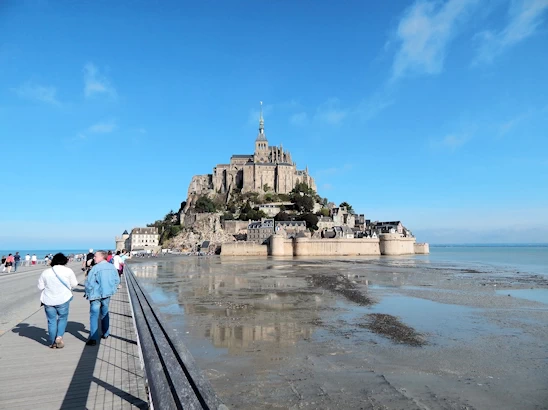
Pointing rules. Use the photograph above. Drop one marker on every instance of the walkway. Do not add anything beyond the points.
(106, 376)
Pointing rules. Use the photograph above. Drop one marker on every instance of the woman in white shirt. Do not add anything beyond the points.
(56, 284)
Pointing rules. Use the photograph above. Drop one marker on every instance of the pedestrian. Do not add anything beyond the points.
(101, 283)
(16, 260)
(56, 284)
(88, 262)
(27, 260)
(4, 265)
(33, 259)
(9, 262)
(109, 256)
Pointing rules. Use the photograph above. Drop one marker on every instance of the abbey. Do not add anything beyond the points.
(269, 168)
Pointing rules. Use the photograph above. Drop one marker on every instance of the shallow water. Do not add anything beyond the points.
(254, 324)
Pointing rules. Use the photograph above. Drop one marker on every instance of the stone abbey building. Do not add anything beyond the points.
(268, 166)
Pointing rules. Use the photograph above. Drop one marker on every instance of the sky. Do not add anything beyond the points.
(434, 113)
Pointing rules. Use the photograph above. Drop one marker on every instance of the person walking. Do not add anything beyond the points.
(33, 259)
(16, 260)
(88, 262)
(4, 264)
(56, 284)
(9, 262)
(27, 260)
(101, 283)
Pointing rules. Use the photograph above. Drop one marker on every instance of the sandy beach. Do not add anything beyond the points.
(372, 333)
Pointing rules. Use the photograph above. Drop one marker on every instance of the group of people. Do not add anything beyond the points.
(101, 283)
(10, 261)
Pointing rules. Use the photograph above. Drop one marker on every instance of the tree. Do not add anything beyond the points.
(282, 216)
(323, 212)
(311, 221)
(227, 216)
(204, 204)
(303, 203)
(266, 188)
(347, 205)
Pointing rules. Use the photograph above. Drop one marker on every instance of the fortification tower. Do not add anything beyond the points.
(261, 143)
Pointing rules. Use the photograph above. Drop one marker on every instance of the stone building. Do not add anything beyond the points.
(260, 231)
(290, 229)
(341, 216)
(268, 167)
(139, 239)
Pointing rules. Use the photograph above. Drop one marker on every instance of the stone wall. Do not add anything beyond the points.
(235, 227)
(243, 249)
(422, 248)
(394, 244)
(387, 244)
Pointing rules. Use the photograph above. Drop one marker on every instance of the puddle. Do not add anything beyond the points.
(536, 295)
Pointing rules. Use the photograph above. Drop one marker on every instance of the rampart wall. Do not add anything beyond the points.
(386, 244)
(422, 248)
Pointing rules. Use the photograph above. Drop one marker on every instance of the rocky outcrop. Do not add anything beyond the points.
(201, 227)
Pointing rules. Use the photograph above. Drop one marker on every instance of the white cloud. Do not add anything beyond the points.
(102, 127)
(525, 17)
(330, 112)
(300, 118)
(95, 83)
(35, 92)
(424, 33)
(452, 141)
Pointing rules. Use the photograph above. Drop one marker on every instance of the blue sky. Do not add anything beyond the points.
(432, 112)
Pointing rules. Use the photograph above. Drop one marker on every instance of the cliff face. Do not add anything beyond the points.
(201, 227)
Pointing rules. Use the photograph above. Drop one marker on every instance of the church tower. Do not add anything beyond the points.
(261, 143)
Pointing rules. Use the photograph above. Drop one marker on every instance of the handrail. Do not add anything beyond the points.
(174, 380)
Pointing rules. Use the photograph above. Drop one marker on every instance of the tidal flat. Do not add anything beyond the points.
(358, 333)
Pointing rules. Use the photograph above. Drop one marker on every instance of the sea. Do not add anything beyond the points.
(41, 253)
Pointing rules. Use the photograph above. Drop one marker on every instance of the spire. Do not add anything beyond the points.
(261, 135)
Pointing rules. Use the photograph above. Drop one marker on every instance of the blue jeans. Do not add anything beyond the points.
(95, 307)
(57, 320)
(15, 266)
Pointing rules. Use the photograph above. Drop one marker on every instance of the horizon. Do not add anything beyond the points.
(429, 112)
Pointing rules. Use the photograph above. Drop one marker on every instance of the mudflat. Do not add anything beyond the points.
(358, 333)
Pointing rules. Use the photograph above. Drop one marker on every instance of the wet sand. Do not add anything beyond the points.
(367, 333)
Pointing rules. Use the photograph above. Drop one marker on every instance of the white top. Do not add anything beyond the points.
(117, 261)
(27, 258)
(53, 291)
(34, 258)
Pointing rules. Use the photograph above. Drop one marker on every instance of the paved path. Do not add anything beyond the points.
(106, 376)
(20, 296)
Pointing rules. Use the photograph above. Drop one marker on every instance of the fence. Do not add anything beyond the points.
(174, 381)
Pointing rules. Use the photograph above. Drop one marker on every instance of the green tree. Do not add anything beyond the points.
(282, 216)
(311, 221)
(227, 216)
(303, 203)
(204, 204)
(347, 205)
(323, 212)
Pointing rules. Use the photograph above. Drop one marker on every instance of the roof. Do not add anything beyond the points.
(242, 156)
(388, 223)
(125, 232)
(151, 230)
(291, 223)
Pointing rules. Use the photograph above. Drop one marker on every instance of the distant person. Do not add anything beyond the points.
(109, 256)
(27, 260)
(46, 260)
(9, 262)
(56, 284)
(33, 259)
(117, 262)
(4, 266)
(101, 283)
(16, 261)
(88, 262)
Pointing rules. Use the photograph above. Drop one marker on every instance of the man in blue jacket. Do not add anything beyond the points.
(101, 283)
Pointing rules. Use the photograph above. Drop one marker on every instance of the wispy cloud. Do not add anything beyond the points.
(374, 105)
(36, 92)
(102, 127)
(424, 33)
(300, 118)
(330, 112)
(451, 142)
(524, 18)
(95, 83)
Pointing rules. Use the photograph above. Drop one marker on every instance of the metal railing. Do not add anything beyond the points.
(174, 381)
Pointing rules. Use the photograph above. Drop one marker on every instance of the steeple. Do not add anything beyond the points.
(261, 136)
